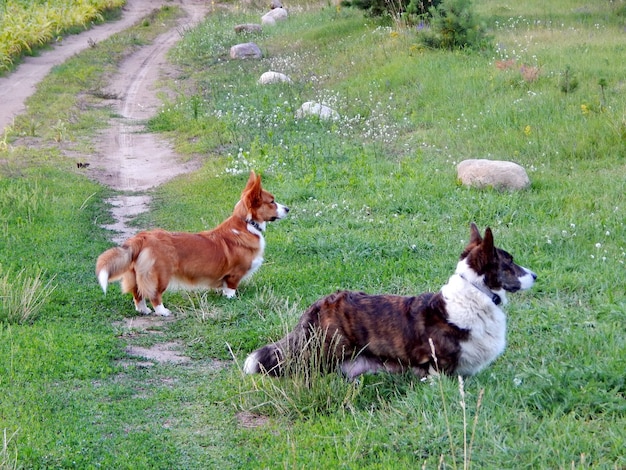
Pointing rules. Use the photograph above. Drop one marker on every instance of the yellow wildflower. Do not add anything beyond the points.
(527, 130)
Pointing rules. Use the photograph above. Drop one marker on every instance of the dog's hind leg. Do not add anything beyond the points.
(362, 365)
(141, 306)
(129, 284)
(156, 297)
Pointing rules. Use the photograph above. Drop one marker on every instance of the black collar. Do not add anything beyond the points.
(495, 298)
(255, 224)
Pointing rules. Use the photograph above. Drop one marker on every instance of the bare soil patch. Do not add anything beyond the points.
(161, 353)
(251, 420)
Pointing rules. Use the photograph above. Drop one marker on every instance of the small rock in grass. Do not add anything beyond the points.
(248, 50)
(317, 109)
(503, 175)
(250, 28)
(273, 77)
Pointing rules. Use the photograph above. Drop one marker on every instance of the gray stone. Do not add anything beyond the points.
(250, 28)
(248, 50)
(481, 173)
(272, 16)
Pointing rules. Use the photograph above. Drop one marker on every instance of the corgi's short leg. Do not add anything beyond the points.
(141, 307)
(230, 284)
(157, 303)
(228, 292)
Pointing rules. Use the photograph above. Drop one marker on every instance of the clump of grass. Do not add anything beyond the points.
(568, 82)
(8, 456)
(202, 308)
(309, 387)
(22, 202)
(467, 445)
(23, 296)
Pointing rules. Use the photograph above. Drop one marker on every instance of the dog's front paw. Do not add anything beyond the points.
(229, 293)
(161, 310)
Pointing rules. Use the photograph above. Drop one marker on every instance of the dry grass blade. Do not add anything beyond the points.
(8, 457)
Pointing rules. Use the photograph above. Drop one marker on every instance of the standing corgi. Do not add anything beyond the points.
(220, 258)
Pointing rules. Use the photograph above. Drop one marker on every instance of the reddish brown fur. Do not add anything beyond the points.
(218, 258)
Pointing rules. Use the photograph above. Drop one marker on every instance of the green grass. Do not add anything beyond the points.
(375, 205)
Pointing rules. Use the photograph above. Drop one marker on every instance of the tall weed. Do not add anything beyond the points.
(23, 296)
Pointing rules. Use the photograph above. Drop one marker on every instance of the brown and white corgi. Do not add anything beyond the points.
(220, 258)
(458, 330)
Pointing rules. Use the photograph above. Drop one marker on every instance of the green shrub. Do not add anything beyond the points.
(453, 25)
(411, 10)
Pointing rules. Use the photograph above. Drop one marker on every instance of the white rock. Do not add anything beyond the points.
(272, 16)
(273, 77)
(481, 173)
(317, 109)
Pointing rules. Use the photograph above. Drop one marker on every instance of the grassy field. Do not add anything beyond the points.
(375, 205)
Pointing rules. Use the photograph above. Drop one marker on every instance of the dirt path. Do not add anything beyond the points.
(128, 159)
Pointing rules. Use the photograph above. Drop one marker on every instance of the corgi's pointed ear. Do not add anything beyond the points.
(251, 180)
(253, 185)
(475, 237)
(252, 193)
(487, 243)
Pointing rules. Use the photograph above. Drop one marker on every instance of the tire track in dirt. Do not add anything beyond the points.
(133, 161)
(129, 159)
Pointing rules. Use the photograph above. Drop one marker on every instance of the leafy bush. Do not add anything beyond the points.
(453, 25)
(411, 10)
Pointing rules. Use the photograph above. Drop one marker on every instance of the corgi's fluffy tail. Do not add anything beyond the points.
(268, 359)
(272, 359)
(114, 262)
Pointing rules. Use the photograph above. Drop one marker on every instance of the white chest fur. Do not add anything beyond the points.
(258, 260)
(471, 309)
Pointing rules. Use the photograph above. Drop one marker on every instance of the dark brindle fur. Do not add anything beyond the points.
(462, 324)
